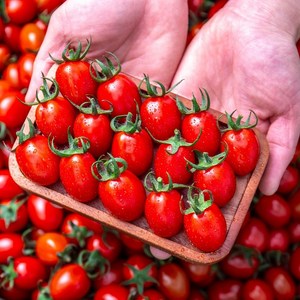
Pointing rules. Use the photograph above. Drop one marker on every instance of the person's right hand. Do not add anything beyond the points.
(147, 36)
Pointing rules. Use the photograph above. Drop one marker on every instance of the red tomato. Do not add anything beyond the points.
(48, 6)
(20, 11)
(163, 212)
(173, 281)
(225, 289)
(294, 231)
(289, 180)
(254, 234)
(294, 263)
(217, 177)
(14, 293)
(112, 292)
(69, 282)
(43, 214)
(8, 187)
(14, 215)
(5, 86)
(274, 210)
(12, 36)
(243, 146)
(4, 56)
(131, 243)
(257, 289)
(294, 203)
(29, 271)
(25, 65)
(12, 111)
(279, 240)
(48, 118)
(171, 159)
(134, 267)
(11, 245)
(281, 283)
(199, 121)
(31, 38)
(48, 246)
(159, 112)
(11, 74)
(37, 162)
(107, 243)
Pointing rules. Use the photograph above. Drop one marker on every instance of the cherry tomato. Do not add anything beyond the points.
(69, 282)
(279, 240)
(257, 289)
(289, 180)
(11, 245)
(43, 214)
(11, 74)
(12, 36)
(294, 231)
(107, 243)
(225, 289)
(48, 6)
(254, 234)
(113, 292)
(294, 203)
(131, 243)
(12, 111)
(173, 281)
(20, 11)
(281, 282)
(5, 54)
(48, 246)
(14, 293)
(274, 210)
(25, 65)
(31, 38)
(8, 187)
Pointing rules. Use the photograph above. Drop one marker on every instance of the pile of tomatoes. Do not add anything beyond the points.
(48, 252)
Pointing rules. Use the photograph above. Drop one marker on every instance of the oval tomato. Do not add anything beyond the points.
(31, 38)
(11, 245)
(11, 74)
(25, 65)
(12, 36)
(225, 289)
(8, 187)
(20, 11)
(289, 180)
(257, 289)
(112, 291)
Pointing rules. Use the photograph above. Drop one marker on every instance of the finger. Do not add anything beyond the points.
(282, 138)
(159, 254)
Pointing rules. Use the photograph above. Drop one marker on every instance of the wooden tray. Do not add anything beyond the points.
(179, 246)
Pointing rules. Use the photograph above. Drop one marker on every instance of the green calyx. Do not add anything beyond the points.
(79, 233)
(129, 126)
(92, 107)
(108, 167)
(197, 201)
(237, 123)
(204, 161)
(107, 70)
(8, 274)
(176, 141)
(152, 90)
(71, 54)
(205, 104)
(78, 145)
(24, 137)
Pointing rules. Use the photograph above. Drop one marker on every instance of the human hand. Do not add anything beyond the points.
(146, 36)
(246, 58)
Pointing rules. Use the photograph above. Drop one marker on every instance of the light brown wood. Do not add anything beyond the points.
(235, 211)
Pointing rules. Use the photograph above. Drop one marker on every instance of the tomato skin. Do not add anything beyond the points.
(124, 197)
(274, 210)
(161, 116)
(294, 231)
(136, 149)
(173, 281)
(294, 263)
(122, 93)
(21, 218)
(225, 289)
(257, 289)
(206, 230)
(281, 283)
(12, 111)
(243, 150)
(20, 11)
(294, 203)
(15, 293)
(4, 56)
(75, 81)
(205, 123)
(12, 37)
(70, 282)
(112, 292)
(289, 180)
(48, 246)
(5, 86)
(151, 294)
(8, 187)
(30, 270)
(163, 213)
(76, 176)
(279, 240)
(108, 245)
(31, 38)
(220, 180)
(254, 234)
(25, 65)
(96, 128)
(37, 161)
(11, 245)
(11, 75)
(239, 266)
(43, 214)
(49, 121)
(173, 164)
